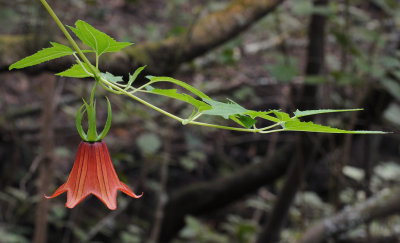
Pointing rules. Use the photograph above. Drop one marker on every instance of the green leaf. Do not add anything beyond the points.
(224, 109)
(180, 83)
(57, 50)
(110, 77)
(282, 116)
(299, 113)
(172, 93)
(133, 77)
(99, 41)
(245, 121)
(76, 71)
(262, 114)
(296, 125)
(149, 88)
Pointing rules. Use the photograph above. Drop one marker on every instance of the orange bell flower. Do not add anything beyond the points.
(93, 173)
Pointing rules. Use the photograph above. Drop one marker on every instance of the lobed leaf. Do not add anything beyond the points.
(243, 120)
(76, 71)
(262, 114)
(99, 41)
(282, 116)
(133, 77)
(180, 83)
(296, 125)
(56, 51)
(110, 77)
(299, 113)
(224, 109)
(172, 93)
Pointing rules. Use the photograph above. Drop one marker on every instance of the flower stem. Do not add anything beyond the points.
(91, 112)
(93, 92)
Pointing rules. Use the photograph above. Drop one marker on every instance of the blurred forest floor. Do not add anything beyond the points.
(202, 184)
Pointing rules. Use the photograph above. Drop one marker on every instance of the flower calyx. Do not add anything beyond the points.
(90, 109)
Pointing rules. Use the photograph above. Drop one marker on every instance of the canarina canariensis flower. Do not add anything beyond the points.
(93, 173)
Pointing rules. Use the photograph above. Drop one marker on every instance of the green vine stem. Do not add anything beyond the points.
(69, 38)
(115, 87)
(128, 90)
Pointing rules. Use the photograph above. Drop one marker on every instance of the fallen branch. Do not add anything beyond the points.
(207, 196)
(384, 204)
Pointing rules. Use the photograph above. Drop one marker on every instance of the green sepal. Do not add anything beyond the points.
(108, 122)
(78, 123)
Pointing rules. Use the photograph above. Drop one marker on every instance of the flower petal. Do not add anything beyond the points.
(125, 189)
(59, 191)
(93, 173)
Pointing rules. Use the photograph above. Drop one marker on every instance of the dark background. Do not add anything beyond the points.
(202, 184)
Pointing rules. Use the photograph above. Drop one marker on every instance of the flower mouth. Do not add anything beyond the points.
(93, 173)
